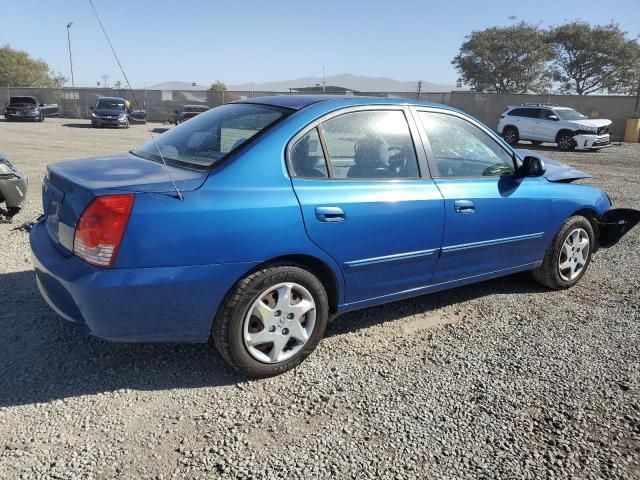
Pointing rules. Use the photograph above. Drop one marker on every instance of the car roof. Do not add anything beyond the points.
(298, 102)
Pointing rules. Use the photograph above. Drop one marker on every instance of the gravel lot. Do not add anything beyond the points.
(503, 379)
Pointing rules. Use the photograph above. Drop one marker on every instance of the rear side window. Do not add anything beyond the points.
(370, 144)
(525, 112)
(461, 149)
(307, 159)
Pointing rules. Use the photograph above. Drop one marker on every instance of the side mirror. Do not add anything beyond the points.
(532, 167)
(553, 117)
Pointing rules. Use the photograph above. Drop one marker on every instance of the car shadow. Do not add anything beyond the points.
(45, 358)
(159, 130)
(77, 125)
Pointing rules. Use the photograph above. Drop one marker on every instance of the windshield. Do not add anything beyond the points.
(30, 100)
(207, 138)
(110, 104)
(194, 109)
(569, 114)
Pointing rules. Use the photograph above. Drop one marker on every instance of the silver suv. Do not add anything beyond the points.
(563, 126)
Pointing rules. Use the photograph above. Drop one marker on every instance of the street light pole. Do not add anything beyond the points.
(73, 83)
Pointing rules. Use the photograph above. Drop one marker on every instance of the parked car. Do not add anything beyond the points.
(185, 112)
(563, 126)
(110, 112)
(13, 187)
(288, 211)
(28, 108)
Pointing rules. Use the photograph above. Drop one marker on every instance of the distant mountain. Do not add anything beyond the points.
(353, 82)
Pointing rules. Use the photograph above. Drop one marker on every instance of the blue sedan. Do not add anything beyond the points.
(257, 222)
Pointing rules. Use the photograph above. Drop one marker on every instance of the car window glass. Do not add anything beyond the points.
(518, 112)
(546, 113)
(370, 144)
(463, 150)
(307, 159)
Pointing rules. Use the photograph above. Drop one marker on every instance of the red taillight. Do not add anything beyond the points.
(100, 229)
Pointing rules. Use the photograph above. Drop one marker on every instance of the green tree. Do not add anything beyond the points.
(218, 86)
(18, 69)
(511, 59)
(591, 58)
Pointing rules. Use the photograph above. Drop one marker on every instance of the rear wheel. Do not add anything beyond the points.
(568, 257)
(271, 320)
(511, 135)
(566, 142)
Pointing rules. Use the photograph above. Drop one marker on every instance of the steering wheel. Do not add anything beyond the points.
(398, 160)
(496, 170)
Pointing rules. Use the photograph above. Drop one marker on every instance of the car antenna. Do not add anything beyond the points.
(135, 100)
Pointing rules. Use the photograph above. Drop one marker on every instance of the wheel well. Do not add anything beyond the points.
(564, 130)
(315, 266)
(592, 216)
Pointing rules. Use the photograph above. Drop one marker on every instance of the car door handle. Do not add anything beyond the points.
(464, 206)
(330, 214)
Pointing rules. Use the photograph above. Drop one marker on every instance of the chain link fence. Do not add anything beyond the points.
(160, 105)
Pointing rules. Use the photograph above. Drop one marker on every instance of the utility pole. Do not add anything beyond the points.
(104, 78)
(73, 83)
(637, 112)
(419, 89)
(324, 89)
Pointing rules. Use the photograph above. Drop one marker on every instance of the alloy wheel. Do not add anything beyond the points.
(574, 255)
(565, 142)
(279, 322)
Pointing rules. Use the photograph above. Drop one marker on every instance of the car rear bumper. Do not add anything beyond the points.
(163, 304)
(592, 141)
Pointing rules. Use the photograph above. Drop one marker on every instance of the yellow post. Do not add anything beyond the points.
(632, 130)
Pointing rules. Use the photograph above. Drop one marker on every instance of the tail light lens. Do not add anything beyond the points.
(100, 229)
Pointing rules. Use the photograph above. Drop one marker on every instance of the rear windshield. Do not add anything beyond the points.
(30, 100)
(569, 114)
(205, 139)
(110, 104)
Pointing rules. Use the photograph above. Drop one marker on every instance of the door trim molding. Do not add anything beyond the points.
(490, 243)
(386, 259)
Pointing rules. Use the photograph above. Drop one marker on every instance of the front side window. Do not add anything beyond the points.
(370, 144)
(463, 150)
(208, 137)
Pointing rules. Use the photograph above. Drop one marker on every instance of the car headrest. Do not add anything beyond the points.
(371, 153)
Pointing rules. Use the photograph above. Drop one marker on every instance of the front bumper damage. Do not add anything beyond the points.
(615, 224)
(592, 141)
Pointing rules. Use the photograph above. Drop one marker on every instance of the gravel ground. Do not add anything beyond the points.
(502, 379)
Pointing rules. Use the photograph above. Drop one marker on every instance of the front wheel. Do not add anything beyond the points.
(271, 320)
(566, 142)
(569, 256)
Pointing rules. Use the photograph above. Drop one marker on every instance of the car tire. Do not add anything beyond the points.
(568, 257)
(565, 142)
(243, 338)
(511, 135)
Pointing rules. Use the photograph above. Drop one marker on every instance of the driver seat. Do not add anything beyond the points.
(371, 157)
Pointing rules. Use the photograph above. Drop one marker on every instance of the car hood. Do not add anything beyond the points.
(107, 111)
(592, 122)
(557, 171)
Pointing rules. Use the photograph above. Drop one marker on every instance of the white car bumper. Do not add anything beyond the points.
(592, 141)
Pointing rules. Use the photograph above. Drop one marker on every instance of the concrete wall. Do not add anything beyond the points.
(487, 107)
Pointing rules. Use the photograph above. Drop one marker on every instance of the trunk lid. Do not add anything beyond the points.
(70, 186)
